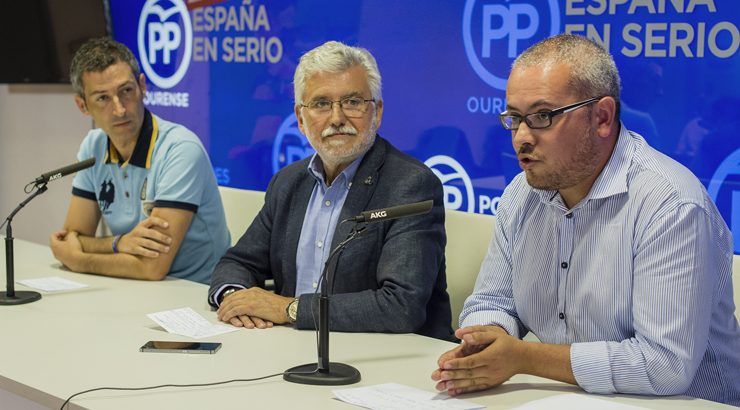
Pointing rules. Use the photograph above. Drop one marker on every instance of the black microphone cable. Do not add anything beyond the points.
(34, 187)
(180, 385)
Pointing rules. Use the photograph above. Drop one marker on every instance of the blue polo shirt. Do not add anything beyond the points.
(169, 168)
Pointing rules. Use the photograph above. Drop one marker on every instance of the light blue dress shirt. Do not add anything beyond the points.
(636, 278)
(320, 222)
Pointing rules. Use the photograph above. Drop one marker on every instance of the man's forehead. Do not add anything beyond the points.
(111, 76)
(553, 73)
(347, 82)
(538, 83)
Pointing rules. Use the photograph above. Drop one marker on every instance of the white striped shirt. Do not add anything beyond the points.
(636, 278)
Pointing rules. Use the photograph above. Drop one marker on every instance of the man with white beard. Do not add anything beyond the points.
(392, 279)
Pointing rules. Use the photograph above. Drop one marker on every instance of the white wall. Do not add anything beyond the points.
(40, 130)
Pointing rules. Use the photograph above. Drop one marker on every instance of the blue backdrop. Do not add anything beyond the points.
(224, 69)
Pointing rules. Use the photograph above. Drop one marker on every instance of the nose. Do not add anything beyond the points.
(119, 109)
(337, 117)
(522, 135)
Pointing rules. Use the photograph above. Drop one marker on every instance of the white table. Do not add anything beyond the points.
(74, 341)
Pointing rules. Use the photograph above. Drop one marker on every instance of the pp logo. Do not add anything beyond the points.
(513, 26)
(290, 145)
(725, 197)
(449, 171)
(164, 25)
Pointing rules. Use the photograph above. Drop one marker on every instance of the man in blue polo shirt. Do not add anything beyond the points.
(152, 181)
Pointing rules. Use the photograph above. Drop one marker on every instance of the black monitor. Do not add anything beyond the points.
(39, 37)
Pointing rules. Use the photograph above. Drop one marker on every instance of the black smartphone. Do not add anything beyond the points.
(180, 347)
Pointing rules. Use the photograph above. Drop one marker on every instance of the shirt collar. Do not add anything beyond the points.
(613, 178)
(142, 155)
(316, 169)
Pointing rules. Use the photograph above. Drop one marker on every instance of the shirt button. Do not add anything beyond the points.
(320, 244)
(127, 194)
(327, 203)
(561, 315)
(569, 215)
(315, 285)
(125, 175)
(564, 265)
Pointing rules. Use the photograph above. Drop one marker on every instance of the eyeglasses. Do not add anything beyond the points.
(353, 107)
(542, 119)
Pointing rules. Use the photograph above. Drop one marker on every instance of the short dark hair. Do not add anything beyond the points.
(592, 68)
(97, 54)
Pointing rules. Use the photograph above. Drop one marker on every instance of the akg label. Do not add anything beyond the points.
(290, 145)
(458, 189)
(165, 33)
(492, 30)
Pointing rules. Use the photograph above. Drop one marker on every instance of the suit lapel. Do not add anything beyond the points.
(363, 187)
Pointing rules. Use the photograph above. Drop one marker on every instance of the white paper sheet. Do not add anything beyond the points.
(573, 401)
(52, 284)
(186, 322)
(394, 396)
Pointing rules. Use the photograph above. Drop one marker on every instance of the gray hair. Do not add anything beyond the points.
(593, 72)
(97, 54)
(335, 57)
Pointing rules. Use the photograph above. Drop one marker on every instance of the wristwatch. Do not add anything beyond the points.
(227, 292)
(291, 311)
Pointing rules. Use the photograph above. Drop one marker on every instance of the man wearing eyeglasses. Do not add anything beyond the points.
(391, 279)
(610, 252)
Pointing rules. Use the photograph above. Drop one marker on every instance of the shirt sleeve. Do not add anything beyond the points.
(492, 300)
(676, 263)
(182, 177)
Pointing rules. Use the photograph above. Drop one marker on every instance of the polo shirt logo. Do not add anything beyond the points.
(107, 195)
(142, 194)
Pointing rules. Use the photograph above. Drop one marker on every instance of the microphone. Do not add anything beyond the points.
(10, 296)
(324, 372)
(64, 171)
(394, 212)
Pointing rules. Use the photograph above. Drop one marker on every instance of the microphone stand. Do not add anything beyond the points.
(11, 297)
(325, 373)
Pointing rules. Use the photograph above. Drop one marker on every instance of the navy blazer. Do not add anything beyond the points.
(390, 279)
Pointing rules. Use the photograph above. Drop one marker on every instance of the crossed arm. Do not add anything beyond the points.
(146, 252)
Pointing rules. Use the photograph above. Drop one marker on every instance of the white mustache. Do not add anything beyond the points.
(345, 129)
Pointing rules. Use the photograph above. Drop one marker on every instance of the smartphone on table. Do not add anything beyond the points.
(180, 347)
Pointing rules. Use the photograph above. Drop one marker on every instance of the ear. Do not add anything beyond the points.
(378, 113)
(80, 103)
(299, 117)
(142, 83)
(604, 116)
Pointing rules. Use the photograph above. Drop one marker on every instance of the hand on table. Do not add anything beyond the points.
(254, 307)
(487, 357)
